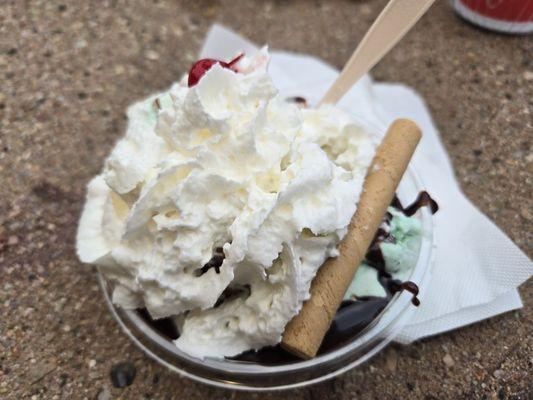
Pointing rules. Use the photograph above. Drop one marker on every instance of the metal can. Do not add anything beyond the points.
(509, 16)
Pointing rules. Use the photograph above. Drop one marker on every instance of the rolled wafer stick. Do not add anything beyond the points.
(305, 332)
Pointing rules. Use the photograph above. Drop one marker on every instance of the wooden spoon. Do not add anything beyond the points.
(387, 30)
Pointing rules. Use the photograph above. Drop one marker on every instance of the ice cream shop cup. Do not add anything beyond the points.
(509, 16)
(250, 375)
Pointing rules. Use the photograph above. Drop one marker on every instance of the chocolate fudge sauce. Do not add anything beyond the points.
(352, 316)
(215, 262)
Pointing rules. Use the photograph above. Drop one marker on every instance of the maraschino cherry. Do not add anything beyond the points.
(200, 67)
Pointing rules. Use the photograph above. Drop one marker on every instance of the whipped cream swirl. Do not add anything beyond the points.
(224, 165)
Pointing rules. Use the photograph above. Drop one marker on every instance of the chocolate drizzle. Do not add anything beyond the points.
(165, 326)
(215, 262)
(423, 199)
(232, 292)
(300, 101)
(351, 318)
(411, 287)
(374, 257)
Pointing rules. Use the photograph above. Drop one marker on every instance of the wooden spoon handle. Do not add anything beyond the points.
(390, 26)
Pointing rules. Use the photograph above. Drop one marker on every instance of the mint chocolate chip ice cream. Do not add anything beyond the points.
(399, 256)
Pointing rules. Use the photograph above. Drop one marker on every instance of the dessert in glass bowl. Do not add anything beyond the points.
(214, 212)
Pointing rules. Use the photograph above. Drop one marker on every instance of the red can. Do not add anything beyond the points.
(510, 16)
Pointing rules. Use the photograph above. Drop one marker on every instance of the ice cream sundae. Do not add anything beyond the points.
(223, 199)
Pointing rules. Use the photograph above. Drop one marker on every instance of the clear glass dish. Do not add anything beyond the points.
(232, 374)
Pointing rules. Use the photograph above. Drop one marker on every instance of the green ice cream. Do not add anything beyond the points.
(400, 257)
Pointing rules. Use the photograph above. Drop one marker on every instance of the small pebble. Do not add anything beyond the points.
(92, 363)
(526, 213)
(391, 361)
(152, 55)
(177, 30)
(27, 312)
(119, 69)
(498, 374)
(80, 44)
(104, 394)
(123, 374)
(366, 10)
(448, 360)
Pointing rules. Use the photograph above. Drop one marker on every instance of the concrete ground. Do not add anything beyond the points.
(67, 72)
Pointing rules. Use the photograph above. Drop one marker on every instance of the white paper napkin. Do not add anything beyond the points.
(477, 268)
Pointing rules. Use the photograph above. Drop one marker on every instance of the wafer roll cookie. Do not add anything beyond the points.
(305, 332)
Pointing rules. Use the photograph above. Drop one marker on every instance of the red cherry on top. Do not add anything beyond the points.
(200, 67)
